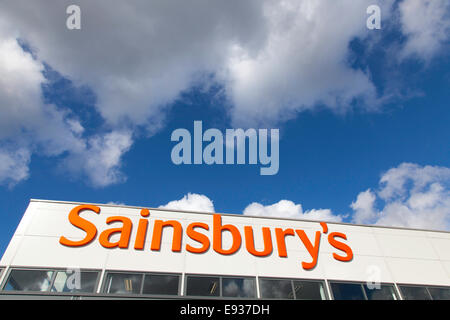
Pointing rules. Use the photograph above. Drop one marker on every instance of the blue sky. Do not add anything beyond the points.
(364, 138)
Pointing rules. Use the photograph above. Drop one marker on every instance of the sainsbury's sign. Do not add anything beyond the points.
(336, 239)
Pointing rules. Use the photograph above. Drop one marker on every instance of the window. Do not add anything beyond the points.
(40, 280)
(75, 281)
(238, 287)
(383, 292)
(291, 289)
(141, 283)
(276, 289)
(439, 293)
(347, 291)
(123, 283)
(203, 286)
(220, 286)
(29, 280)
(414, 293)
(309, 290)
(361, 291)
(164, 284)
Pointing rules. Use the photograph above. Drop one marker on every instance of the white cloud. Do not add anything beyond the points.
(426, 23)
(274, 58)
(101, 160)
(191, 202)
(14, 166)
(302, 64)
(411, 195)
(363, 207)
(288, 209)
(28, 126)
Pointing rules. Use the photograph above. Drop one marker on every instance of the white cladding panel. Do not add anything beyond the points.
(393, 255)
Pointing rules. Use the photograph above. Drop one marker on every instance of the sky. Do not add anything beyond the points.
(363, 114)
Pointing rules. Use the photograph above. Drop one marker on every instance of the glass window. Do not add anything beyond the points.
(29, 280)
(439, 293)
(383, 292)
(309, 290)
(123, 283)
(75, 281)
(161, 284)
(203, 286)
(276, 288)
(414, 293)
(238, 287)
(347, 291)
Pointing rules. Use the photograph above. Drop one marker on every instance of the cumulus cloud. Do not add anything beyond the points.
(101, 159)
(288, 209)
(191, 202)
(28, 125)
(409, 196)
(14, 166)
(272, 58)
(426, 25)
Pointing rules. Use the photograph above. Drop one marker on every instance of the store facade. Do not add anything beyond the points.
(93, 251)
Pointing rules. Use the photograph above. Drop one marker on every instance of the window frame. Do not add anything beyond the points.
(140, 294)
(179, 275)
(436, 287)
(427, 287)
(221, 277)
(322, 281)
(361, 283)
(52, 281)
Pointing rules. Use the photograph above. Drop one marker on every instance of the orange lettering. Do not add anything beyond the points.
(340, 246)
(217, 236)
(86, 226)
(157, 234)
(125, 233)
(197, 236)
(281, 243)
(250, 242)
(313, 250)
(142, 230)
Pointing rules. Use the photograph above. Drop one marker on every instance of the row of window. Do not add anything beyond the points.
(123, 283)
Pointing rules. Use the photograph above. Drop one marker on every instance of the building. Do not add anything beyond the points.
(85, 251)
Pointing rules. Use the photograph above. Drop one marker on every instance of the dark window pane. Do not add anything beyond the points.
(384, 292)
(161, 284)
(347, 291)
(29, 280)
(239, 287)
(440, 293)
(309, 290)
(203, 286)
(414, 293)
(75, 281)
(276, 289)
(123, 283)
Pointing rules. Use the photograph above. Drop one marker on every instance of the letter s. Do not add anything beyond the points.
(86, 226)
(341, 246)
